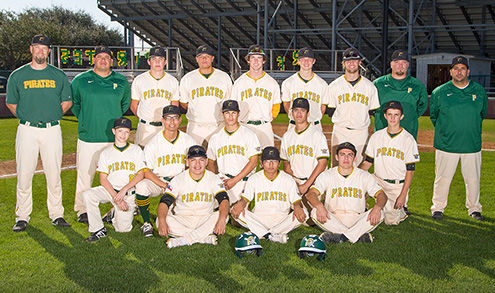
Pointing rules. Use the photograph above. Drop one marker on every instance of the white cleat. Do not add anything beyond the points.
(176, 242)
(210, 239)
(281, 238)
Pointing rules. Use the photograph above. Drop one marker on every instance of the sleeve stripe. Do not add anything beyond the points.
(166, 193)
(374, 195)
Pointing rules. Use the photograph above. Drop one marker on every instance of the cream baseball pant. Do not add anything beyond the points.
(145, 132)
(48, 143)
(263, 223)
(392, 216)
(235, 192)
(193, 228)
(353, 225)
(122, 220)
(264, 132)
(87, 159)
(201, 132)
(358, 137)
(445, 167)
(146, 187)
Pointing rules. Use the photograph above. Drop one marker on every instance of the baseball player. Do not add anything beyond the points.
(457, 109)
(304, 148)
(38, 94)
(274, 193)
(201, 93)
(235, 149)
(343, 215)
(151, 91)
(120, 166)
(308, 85)
(352, 98)
(165, 157)
(100, 95)
(401, 87)
(193, 193)
(258, 95)
(394, 153)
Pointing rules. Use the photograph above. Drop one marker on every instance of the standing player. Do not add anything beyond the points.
(38, 94)
(394, 152)
(121, 166)
(274, 193)
(401, 87)
(100, 96)
(235, 150)
(258, 95)
(194, 191)
(151, 91)
(343, 215)
(352, 98)
(304, 148)
(308, 85)
(457, 109)
(166, 157)
(201, 93)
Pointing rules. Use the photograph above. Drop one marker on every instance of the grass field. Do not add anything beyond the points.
(420, 255)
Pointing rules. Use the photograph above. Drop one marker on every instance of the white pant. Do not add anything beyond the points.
(87, 159)
(145, 132)
(358, 137)
(48, 143)
(235, 192)
(445, 167)
(393, 216)
(201, 132)
(264, 132)
(146, 187)
(193, 228)
(275, 223)
(122, 220)
(352, 225)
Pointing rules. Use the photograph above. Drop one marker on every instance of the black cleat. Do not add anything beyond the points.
(407, 211)
(329, 237)
(477, 216)
(83, 218)
(19, 226)
(437, 215)
(61, 222)
(95, 236)
(107, 218)
(366, 238)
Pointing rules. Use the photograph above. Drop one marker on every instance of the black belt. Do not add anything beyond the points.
(152, 123)
(394, 181)
(243, 179)
(256, 122)
(294, 122)
(39, 124)
(305, 178)
(129, 192)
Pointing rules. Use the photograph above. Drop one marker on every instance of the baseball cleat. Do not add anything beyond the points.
(176, 242)
(366, 238)
(19, 226)
(280, 238)
(407, 211)
(95, 236)
(329, 237)
(477, 216)
(147, 230)
(107, 218)
(437, 215)
(61, 222)
(210, 239)
(83, 218)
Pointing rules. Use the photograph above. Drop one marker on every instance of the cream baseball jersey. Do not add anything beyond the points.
(153, 94)
(312, 90)
(303, 150)
(204, 95)
(256, 97)
(232, 151)
(193, 198)
(121, 166)
(391, 154)
(168, 158)
(271, 196)
(346, 193)
(352, 103)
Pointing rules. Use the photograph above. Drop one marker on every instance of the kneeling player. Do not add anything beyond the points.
(343, 215)
(394, 152)
(121, 166)
(274, 193)
(194, 191)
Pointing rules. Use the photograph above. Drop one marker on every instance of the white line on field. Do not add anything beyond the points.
(37, 172)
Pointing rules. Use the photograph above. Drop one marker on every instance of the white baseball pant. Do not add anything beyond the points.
(264, 132)
(358, 137)
(275, 223)
(235, 192)
(193, 228)
(392, 216)
(146, 187)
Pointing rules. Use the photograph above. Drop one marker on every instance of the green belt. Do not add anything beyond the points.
(130, 192)
(305, 178)
(168, 179)
(39, 124)
(257, 122)
(394, 181)
(153, 123)
(243, 179)
(294, 122)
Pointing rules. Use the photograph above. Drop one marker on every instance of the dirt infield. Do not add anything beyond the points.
(425, 140)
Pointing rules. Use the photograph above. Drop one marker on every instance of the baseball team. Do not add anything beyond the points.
(209, 172)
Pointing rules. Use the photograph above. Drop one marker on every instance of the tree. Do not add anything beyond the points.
(62, 26)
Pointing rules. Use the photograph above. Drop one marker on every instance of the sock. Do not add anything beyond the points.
(143, 203)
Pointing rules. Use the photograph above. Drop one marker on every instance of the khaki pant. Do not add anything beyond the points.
(87, 159)
(264, 132)
(392, 216)
(122, 220)
(275, 223)
(193, 228)
(445, 167)
(351, 224)
(31, 141)
(201, 132)
(145, 132)
(358, 137)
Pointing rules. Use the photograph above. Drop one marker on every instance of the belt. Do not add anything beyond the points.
(294, 122)
(305, 178)
(397, 181)
(168, 179)
(129, 192)
(243, 179)
(256, 122)
(39, 124)
(153, 123)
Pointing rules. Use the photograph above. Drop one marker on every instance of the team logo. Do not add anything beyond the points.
(221, 185)
(459, 59)
(115, 86)
(258, 149)
(251, 240)
(310, 242)
(416, 156)
(400, 53)
(474, 97)
(409, 90)
(324, 151)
